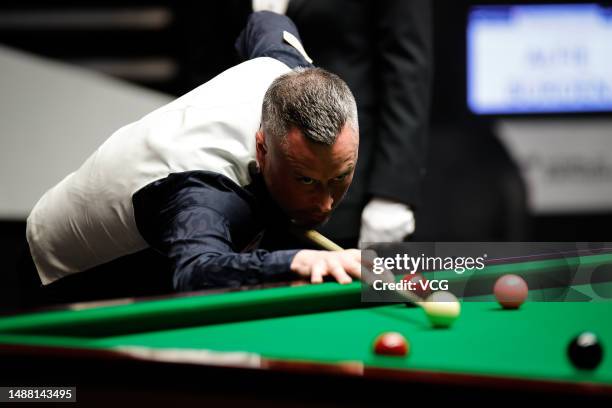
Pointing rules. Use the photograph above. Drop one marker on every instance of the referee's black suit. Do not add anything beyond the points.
(383, 50)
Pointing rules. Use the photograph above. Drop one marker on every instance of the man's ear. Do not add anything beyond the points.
(261, 148)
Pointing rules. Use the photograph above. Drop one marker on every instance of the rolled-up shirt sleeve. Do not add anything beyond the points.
(203, 223)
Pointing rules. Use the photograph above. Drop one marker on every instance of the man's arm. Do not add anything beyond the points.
(268, 34)
(403, 37)
(202, 220)
(404, 42)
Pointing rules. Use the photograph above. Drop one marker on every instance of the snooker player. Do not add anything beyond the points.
(200, 179)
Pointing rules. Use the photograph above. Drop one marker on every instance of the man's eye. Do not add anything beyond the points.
(340, 178)
(306, 180)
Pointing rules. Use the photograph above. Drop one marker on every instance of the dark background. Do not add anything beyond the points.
(472, 192)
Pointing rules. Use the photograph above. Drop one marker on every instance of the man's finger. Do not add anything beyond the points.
(353, 269)
(317, 272)
(335, 268)
(352, 263)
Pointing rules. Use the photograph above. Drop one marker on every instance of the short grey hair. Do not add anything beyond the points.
(313, 100)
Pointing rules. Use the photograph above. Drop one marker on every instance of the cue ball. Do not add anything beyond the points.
(510, 291)
(585, 351)
(391, 344)
(442, 308)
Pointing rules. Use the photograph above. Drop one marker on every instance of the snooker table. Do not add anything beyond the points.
(308, 345)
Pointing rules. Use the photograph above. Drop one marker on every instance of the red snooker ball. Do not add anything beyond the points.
(511, 291)
(420, 286)
(391, 344)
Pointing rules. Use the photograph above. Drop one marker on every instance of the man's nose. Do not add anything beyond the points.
(326, 202)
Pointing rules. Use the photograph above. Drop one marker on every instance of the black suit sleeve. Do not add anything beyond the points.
(201, 222)
(263, 37)
(404, 50)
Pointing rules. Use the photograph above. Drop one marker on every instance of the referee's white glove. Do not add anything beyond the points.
(384, 220)
(277, 6)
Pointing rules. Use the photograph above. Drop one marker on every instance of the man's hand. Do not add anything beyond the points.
(385, 221)
(342, 265)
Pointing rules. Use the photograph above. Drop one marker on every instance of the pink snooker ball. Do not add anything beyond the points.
(511, 291)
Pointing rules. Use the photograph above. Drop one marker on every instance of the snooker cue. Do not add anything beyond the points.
(323, 242)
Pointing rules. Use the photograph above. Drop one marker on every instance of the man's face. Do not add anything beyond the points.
(307, 179)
